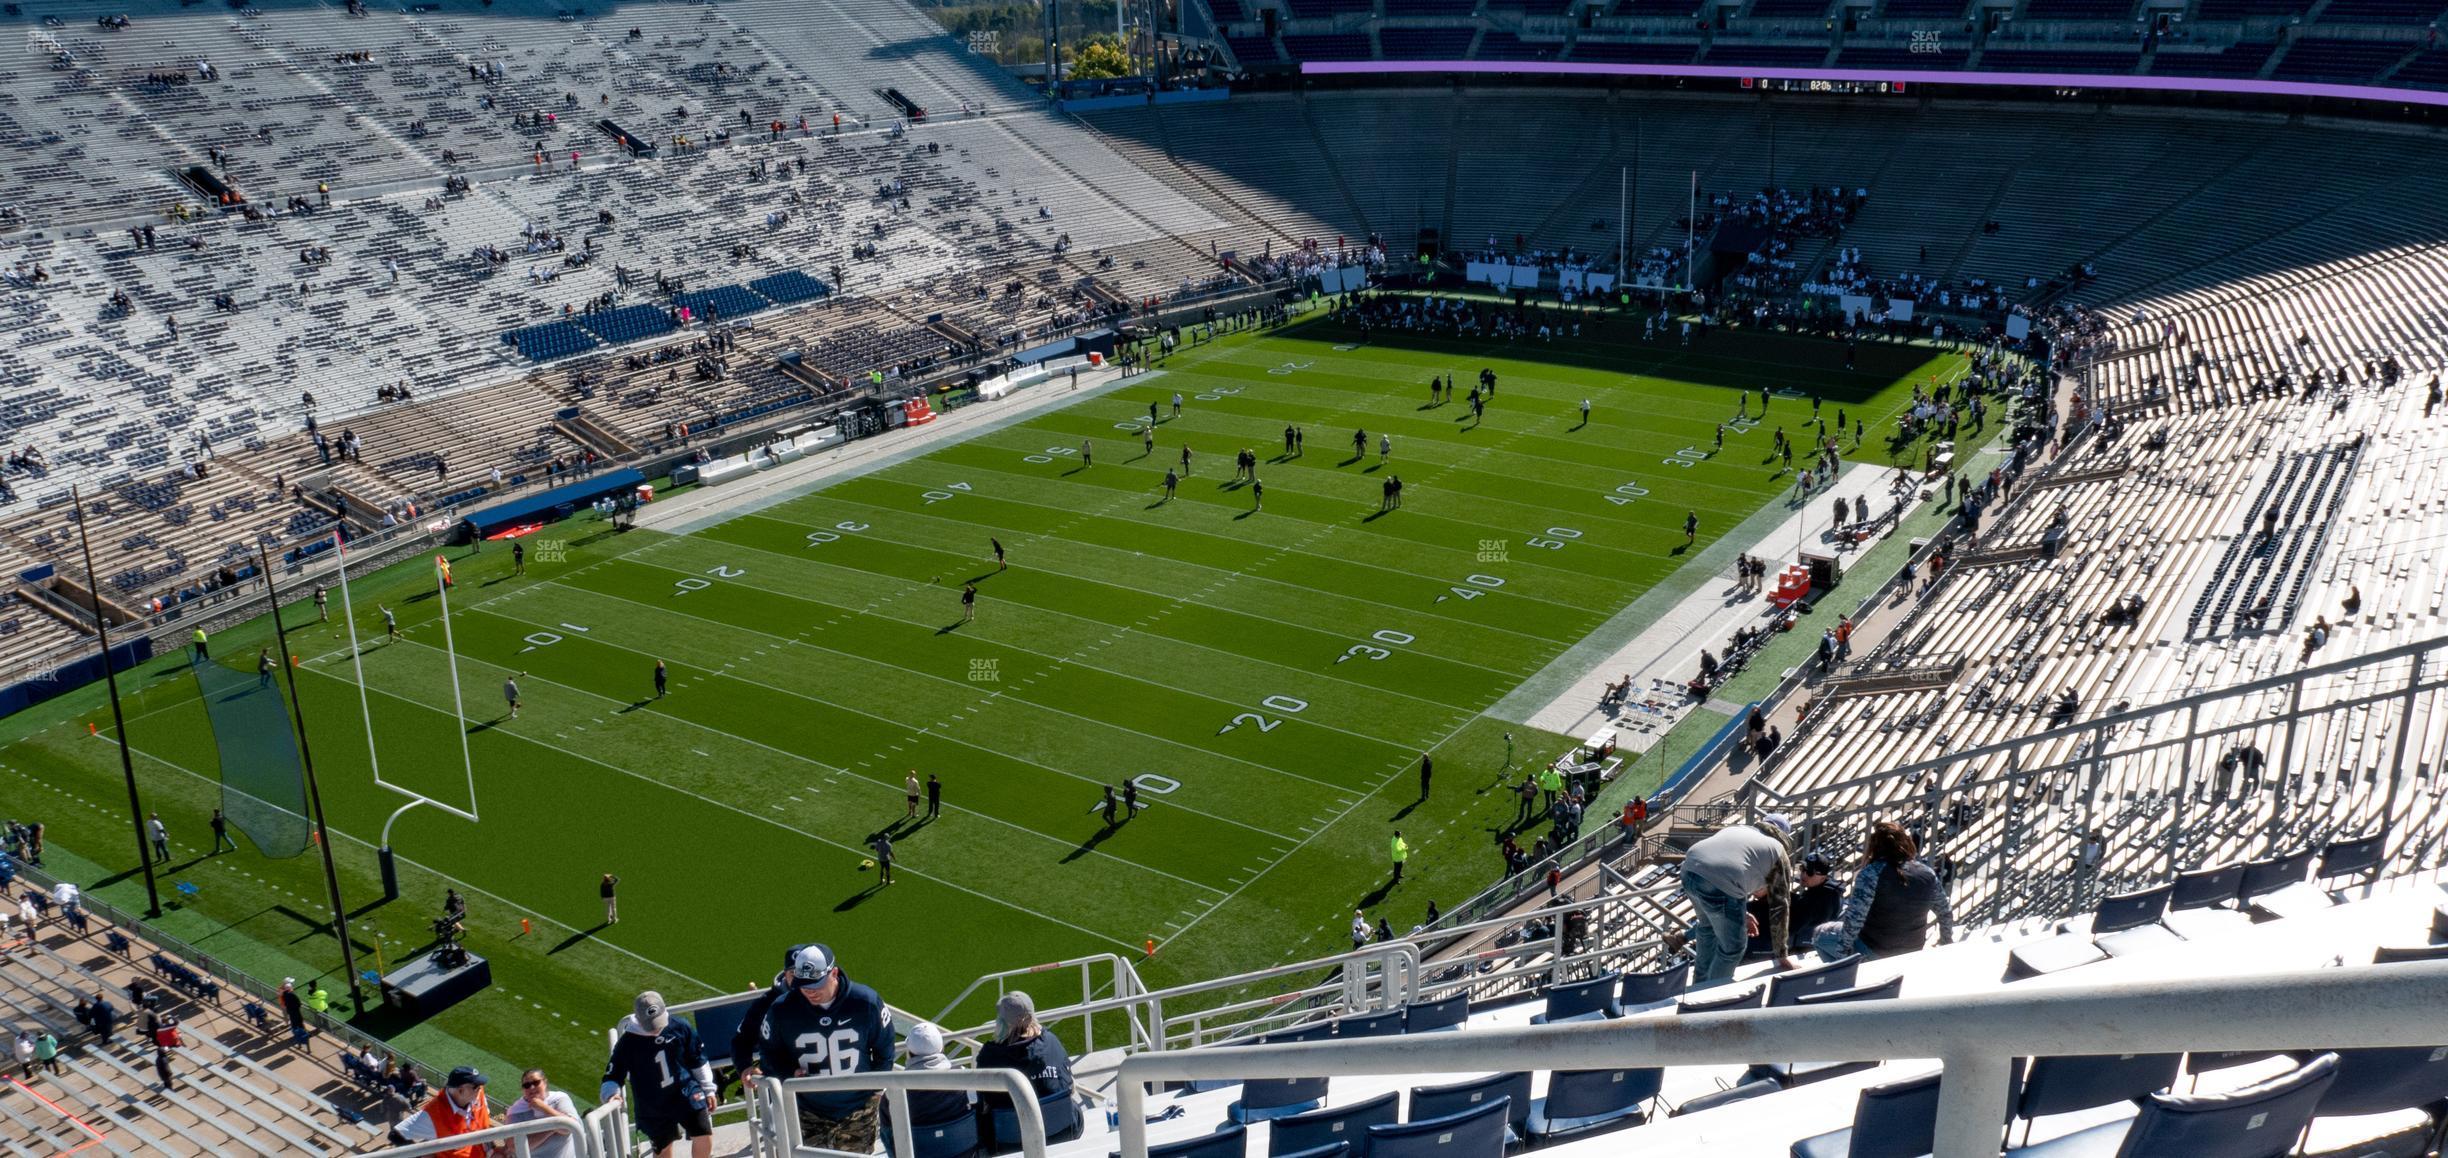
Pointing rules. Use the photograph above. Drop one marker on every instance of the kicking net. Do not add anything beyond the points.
(263, 783)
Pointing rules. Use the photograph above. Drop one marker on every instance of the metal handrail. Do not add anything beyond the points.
(590, 1138)
(1974, 1037)
(1126, 983)
(781, 1117)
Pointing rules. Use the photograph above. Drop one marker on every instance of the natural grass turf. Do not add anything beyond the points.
(816, 653)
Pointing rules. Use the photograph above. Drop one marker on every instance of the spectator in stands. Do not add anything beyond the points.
(537, 1101)
(459, 1109)
(25, 1055)
(1022, 1044)
(46, 1052)
(826, 1024)
(1889, 907)
(1816, 901)
(926, 1052)
(105, 1018)
(1719, 874)
(295, 1008)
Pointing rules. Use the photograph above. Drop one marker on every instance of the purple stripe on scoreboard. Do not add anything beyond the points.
(2286, 88)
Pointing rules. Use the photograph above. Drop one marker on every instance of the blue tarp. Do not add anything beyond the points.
(550, 340)
(728, 301)
(790, 285)
(545, 506)
(628, 323)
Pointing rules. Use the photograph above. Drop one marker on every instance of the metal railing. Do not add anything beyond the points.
(1975, 1038)
(1120, 980)
(778, 1134)
(591, 1137)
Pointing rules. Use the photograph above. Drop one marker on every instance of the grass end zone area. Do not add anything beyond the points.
(1269, 674)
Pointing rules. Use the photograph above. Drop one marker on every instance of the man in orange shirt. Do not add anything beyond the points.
(459, 1109)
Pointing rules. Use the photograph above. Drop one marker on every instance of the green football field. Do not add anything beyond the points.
(1270, 677)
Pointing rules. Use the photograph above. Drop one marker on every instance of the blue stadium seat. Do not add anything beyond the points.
(2263, 877)
(2062, 1085)
(1336, 1150)
(1581, 1001)
(1476, 1133)
(2362, 856)
(1322, 1127)
(549, 341)
(1791, 987)
(2390, 955)
(2261, 1120)
(1062, 1121)
(2198, 1064)
(1726, 1097)
(2132, 910)
(1385, 1023)
(721, 303)
(1269, 1098)
(1791, 1074)
(2377, 1080)
(1231, 1141)
(950, 1139)
(1590, 1101)
(1443, 1101)
(789, 286)
(1640, 989)
(2132, 922)
(2279, 886)
(2206, 888)
(1746, 999)
(2128, 922)
(628, 323)
(1895, 1120)
(1440, 1014)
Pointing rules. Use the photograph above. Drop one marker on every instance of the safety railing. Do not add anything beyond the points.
(1376, 977)
(1974, 1038)
(2176, 752)
(779, 1133)
(1100, 976)
(592, 1136)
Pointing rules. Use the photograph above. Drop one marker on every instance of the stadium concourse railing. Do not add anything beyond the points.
(2182, 740)
(602, 1133)
(1975, 1038)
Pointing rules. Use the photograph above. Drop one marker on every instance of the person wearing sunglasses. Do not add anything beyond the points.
(537, 1099)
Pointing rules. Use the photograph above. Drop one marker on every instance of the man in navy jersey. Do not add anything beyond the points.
(671, 1088)
(825, 1024)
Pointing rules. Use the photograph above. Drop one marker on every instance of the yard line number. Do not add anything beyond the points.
(1284, 704)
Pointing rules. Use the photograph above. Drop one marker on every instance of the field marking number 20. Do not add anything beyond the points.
(718, 571)
(1285, 704)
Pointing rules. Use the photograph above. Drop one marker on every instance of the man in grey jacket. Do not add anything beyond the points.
(1720, 874)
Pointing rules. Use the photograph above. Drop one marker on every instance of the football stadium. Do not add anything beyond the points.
(1869, 586)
